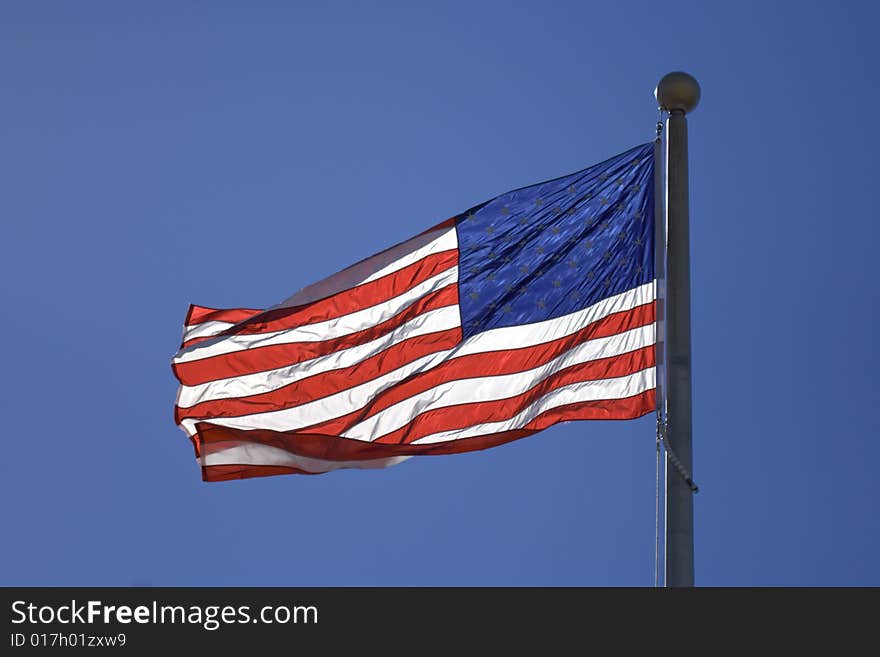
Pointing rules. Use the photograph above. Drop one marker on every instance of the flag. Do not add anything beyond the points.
(530, 309)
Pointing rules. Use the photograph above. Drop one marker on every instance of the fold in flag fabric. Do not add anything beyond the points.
(530, 309)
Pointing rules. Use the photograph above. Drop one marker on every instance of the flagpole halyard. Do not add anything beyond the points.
(659, 346)
(678, 93)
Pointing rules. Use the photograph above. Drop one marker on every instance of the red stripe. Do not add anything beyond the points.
(198, 315)
(193, 341)
(333, 448)
(446, 223)
(489, 364)
(350, 300)
(229, 472)
(201, 314)
(261, 359)
(460, 416)
(325, 383)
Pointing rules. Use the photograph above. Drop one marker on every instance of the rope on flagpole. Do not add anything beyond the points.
(657, 511)
(658, 440)
(663, 427)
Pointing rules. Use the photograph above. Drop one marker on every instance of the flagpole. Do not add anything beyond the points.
(678, 93)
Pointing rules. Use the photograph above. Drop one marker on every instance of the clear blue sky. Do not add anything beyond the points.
(227, 154)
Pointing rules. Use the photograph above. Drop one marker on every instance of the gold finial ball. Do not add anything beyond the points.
(678, 91)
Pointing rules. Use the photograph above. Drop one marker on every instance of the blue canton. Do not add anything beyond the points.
(556, 247)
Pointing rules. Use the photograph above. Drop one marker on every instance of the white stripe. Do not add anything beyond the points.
(494, 388)
(205, 329)
(525, 335)
(377, 266)
(619, 388)
(353, 399)
(327, 408)
(321, 331)
(258, 454)
(432, 321)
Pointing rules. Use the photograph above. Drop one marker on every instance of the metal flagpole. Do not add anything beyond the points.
(678, 93)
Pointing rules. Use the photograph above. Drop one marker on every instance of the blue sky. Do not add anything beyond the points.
(229, 153)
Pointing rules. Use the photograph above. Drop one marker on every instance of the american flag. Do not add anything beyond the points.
(530, 309)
